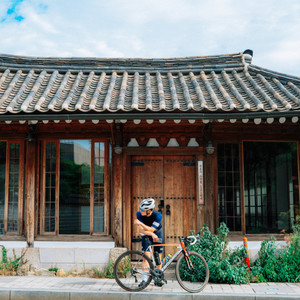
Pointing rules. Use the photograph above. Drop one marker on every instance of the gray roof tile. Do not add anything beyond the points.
(222, 83)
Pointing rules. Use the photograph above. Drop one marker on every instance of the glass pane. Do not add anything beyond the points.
(271, 186)
(13, 195)
(229, 185)
(50, 188)
(99, 187)
(2, 183)
(74, 187)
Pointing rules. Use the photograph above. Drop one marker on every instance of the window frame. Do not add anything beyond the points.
(57, 175)
(20, 188)
(240, 143)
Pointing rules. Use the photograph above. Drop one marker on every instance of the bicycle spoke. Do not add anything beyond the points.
(131, 268)
(193, 276)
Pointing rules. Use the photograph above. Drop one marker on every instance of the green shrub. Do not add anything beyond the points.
(279, 265)
(225, 266)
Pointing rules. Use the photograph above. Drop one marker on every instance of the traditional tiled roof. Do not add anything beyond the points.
(207, 85)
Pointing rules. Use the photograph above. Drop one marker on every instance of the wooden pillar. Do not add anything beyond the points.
(209, 191)
(30, 185)
(126, 201)
(117, 183)
(117, 186)
(209, 179)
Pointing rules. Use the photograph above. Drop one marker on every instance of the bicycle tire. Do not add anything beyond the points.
(192, 280)
(128, 270)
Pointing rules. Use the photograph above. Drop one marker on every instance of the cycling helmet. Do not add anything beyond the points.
(147, 204)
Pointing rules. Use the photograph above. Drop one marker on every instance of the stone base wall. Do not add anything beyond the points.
(86, 255)
(254, 247)
(63, 255)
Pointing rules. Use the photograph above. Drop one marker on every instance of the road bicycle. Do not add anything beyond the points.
(191, 268)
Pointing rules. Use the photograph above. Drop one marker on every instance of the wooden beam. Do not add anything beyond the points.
(126, 242)
(117, 186)
(30, 191)
(209, 192)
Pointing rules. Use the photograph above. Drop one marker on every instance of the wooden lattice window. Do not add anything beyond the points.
(271, 188)
(50, 186)
(12, 183)
(229, 195)
(99, 186)
(74, 187)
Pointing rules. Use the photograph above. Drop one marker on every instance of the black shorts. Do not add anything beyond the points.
(145, 243)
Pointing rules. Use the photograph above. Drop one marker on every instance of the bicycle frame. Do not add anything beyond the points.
(181, 247)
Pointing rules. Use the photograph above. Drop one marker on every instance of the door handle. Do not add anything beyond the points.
(161, 205)
(168, 212)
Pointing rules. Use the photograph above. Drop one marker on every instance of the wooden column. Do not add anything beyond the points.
(209, 179)
(117, 184)
(117, 219)
(126, 201)
(209, 191)
(30, 185)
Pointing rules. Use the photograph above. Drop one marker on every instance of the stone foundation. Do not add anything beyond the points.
(63, 255)
(83, 255)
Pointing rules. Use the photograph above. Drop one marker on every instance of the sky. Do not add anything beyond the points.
(154, 29)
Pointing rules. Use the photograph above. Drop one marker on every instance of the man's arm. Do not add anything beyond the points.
(144, 226)
(147, 230)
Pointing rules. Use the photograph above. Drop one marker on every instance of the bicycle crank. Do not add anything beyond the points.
(158, 277)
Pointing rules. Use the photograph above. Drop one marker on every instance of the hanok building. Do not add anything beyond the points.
(84, 140)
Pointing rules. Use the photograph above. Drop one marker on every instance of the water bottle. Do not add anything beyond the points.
(166, 259)
(156, 257)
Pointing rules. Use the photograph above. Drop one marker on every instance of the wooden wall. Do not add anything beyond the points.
(119, 135)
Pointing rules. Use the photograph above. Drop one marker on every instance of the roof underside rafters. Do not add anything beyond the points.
(226, 86)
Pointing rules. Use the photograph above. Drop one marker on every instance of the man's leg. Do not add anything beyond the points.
(145, 266)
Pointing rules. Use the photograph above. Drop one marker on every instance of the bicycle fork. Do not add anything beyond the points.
(188, 261)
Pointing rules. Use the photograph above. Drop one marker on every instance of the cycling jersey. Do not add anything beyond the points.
(154, 220)
(149, 241)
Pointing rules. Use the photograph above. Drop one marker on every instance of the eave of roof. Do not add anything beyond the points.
(151, 116)
(205, 87)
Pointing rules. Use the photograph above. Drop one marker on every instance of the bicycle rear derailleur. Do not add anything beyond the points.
(158, 277)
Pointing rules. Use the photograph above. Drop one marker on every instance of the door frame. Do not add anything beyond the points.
(128, 152)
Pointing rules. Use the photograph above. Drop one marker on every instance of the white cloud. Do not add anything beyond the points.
(156, 28)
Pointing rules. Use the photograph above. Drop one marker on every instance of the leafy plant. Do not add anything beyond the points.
(9, 266)
(108, 271)
(225, 266)
(279, 265)
(53, 269)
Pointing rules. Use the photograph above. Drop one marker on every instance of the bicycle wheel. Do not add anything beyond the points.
(193, 278)
(129, 270)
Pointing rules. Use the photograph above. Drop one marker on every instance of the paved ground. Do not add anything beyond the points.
(75, 288)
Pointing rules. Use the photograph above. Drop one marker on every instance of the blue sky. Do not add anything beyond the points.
(154, 28)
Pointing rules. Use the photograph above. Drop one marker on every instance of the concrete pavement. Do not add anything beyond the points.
(75, 288)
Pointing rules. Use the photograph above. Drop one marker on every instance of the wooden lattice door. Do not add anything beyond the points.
(171, 181)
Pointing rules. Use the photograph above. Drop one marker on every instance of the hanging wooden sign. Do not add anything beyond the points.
(200, 182)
